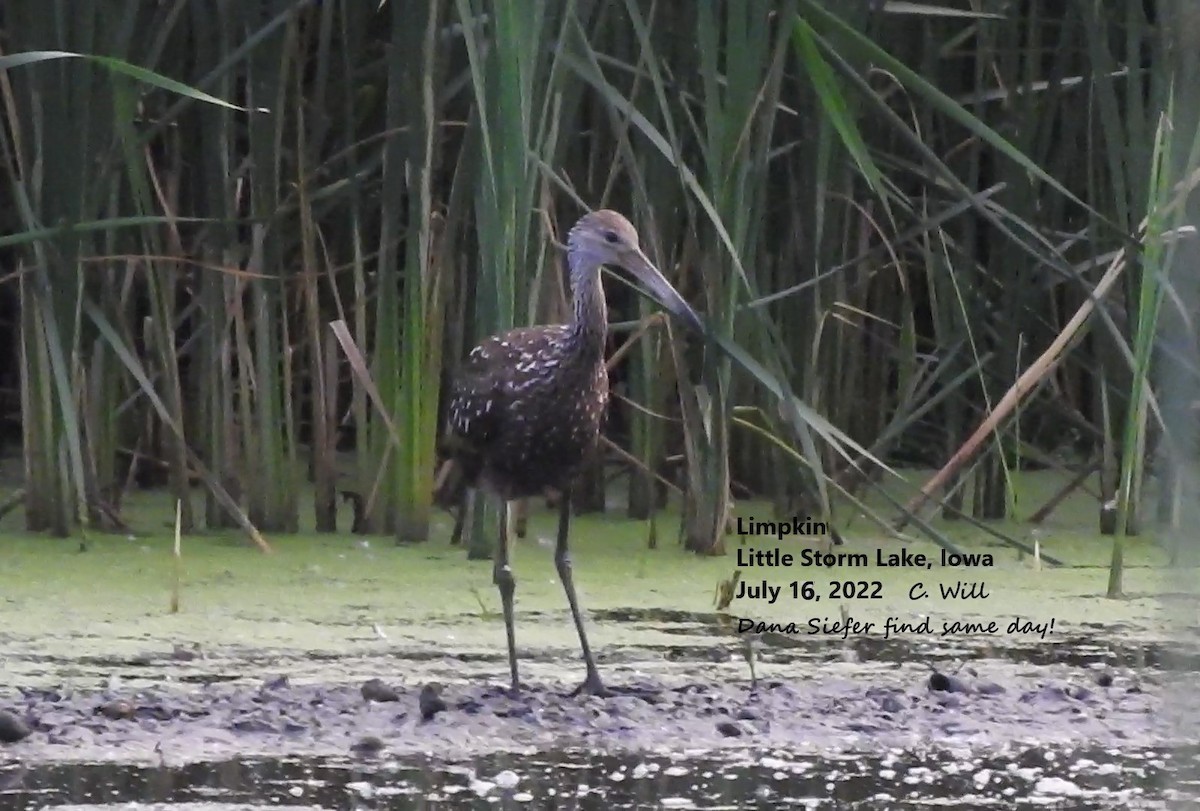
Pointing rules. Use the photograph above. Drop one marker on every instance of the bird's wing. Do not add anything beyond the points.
(483, 387)
(475, 412)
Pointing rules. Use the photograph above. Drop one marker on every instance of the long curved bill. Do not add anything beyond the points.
(657, 285)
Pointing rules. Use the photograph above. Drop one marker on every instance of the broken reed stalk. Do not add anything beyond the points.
(178, 559)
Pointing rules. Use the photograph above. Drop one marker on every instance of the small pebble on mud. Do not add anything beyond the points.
(730, 729)
(12, 728)
(367, 746)
(430, 702)
(1104, 679)
(377, 690)
(116, 710)
(944, 682)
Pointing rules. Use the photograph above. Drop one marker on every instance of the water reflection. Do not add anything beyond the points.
(1035, 777)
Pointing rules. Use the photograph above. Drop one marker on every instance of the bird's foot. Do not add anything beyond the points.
(592, 686)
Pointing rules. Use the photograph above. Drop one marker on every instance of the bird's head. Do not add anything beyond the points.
(607, 238)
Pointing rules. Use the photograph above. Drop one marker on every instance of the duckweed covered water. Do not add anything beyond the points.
(330, 612)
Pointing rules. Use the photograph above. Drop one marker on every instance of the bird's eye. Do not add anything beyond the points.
(611, 237)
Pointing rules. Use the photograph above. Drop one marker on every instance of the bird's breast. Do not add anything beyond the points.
(551, 425)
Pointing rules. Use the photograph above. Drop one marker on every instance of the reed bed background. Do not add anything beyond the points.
(244, 243)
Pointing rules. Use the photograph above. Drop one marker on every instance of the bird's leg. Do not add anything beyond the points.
(562, 562)
(502, 576)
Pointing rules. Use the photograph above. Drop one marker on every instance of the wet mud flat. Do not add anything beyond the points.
(181, 723)
(121, 704)
(818, 731)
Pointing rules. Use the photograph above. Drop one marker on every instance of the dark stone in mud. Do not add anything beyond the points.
(1104, 678)
(947, 683)
(730, 729)
(430, 702)
(368, 746)
(377, 690)
(12, 728)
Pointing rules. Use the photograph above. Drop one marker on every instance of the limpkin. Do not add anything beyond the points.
(525, 410)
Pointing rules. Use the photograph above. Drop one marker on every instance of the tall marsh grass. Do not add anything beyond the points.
(888, 212)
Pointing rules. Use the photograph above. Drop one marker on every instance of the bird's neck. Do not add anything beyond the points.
(589, 318)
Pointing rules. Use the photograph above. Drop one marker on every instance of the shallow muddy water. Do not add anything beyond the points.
(1034, 777)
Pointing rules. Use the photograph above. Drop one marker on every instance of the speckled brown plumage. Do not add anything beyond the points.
(526, 409)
